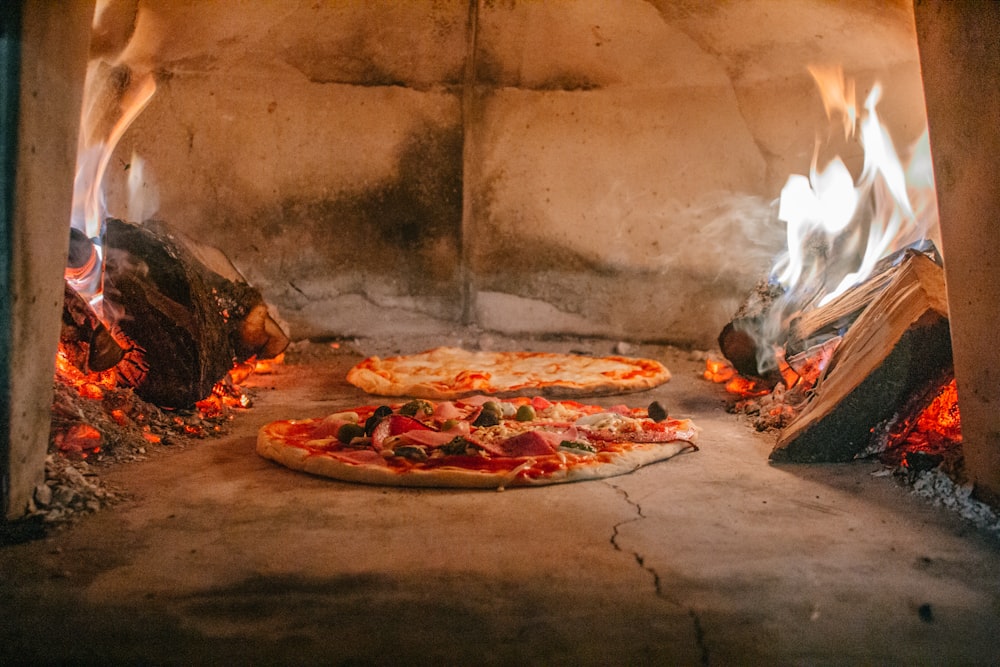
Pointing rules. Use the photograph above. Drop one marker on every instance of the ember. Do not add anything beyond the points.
(930, 437)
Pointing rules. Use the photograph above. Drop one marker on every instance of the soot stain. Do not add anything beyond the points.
(408, 227)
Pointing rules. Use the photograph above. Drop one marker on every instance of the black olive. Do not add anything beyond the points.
(348, 432)
(656, 411)
(487, 418)
(382, 411)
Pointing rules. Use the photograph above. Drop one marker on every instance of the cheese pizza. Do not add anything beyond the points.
(450, 372)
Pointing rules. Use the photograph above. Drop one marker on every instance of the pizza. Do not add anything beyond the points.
(477, 442)
(451, 372)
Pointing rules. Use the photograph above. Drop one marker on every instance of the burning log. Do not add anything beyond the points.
(192, 323)
(897, 346)
(738, 340)
(833, 318)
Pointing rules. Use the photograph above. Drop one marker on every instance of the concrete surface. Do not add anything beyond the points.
(714, 557)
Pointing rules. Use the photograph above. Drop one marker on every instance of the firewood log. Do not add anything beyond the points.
(739, 340)
(191, 323)
(898, 344)
(84, 339)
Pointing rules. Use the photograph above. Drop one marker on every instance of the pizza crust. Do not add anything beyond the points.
(449, 372)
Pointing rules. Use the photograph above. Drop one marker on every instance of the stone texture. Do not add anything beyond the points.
(960, 52)
(53, 46)
(363, 149)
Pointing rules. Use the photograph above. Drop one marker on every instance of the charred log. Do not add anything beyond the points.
(191, 323)
(739, 340)
(84, 339)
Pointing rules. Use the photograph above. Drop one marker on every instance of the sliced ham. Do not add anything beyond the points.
(476, 399)
(529, 443)
(366, 457)
(539, 403)
(330, 426)
(436, 438)
(447, 410)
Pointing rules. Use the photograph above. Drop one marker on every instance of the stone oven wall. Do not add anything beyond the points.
(525, 167)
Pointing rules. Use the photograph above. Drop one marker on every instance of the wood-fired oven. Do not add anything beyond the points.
(524, 169)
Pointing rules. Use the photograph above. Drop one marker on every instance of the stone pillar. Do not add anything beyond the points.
(44, 46)
(960, 57)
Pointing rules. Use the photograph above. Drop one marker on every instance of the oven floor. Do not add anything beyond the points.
(714, 557)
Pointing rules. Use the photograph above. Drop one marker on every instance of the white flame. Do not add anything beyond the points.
(853, 225)
(89, 206)
(837, 230)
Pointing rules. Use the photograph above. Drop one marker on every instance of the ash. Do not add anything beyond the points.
(936, 486)
(129, 429)
(71, 489)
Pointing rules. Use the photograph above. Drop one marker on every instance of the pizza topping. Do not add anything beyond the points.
(330, 425)
(529, 443)
(416, 407)
(446, 410)
(394, 425)
(525, 413)
(380, 412)
(348, 432)
(431, 438)
(521, 440)
(459, 446)
(412, 452)
(604, 421)
(576, 446)
(490, 415)
(656, 411)
(540, 403)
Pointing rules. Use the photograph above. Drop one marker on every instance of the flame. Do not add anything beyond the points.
(115, 93)
(839, 228)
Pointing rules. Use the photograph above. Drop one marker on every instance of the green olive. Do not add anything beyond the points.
(525, 413)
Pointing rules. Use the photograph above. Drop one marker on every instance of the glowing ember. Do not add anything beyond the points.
(742, 386)
(927, 438)
(79, 439)
(718, 370)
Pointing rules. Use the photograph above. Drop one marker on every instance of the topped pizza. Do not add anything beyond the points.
(477, 442)
(450, 372)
